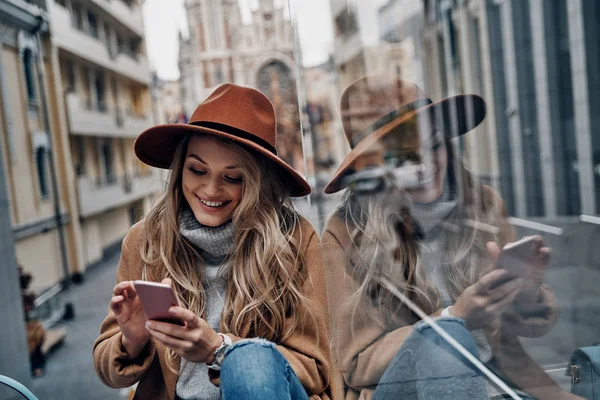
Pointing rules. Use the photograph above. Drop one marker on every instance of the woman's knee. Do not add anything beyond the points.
(253, 364)
(454, 327)
(426, 363)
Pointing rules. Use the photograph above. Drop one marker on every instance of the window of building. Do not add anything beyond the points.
(137, 107)
(346, 24)
(120, 44)
(76, 16)
(29, 66)
(218, 74)
(93, 24)
(78, 151)
(106, 153)
(85, 84)
(41, 155)
(443, 72)
(100, 86)
(70, 72)
(105, 32)
(133, 46)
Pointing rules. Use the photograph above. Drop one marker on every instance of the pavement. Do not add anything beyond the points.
(70, 371)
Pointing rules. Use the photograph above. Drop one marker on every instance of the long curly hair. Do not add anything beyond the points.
(266, 269)
(385, 243)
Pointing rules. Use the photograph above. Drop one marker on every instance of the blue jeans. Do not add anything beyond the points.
(255, 369)
(427, 367)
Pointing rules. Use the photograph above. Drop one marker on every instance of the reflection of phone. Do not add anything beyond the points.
(156, 299)
(515, 257)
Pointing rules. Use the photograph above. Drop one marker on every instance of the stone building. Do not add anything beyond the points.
(222, 47)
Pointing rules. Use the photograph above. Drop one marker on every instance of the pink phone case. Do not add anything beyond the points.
(156, 299)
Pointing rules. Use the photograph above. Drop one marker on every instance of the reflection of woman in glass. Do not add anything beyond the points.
(242, 262)
(413, 215)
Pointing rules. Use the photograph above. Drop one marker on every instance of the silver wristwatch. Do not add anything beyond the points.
(220, 353)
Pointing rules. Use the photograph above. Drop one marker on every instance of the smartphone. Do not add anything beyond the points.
(516, 256)
(156, 299)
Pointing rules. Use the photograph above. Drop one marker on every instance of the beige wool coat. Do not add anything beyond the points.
(362, 350)
(307, 350)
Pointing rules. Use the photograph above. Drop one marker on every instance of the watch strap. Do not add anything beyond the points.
(446, 312)
(216, 364)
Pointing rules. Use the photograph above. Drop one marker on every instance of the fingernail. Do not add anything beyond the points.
(148, 324)
(173, 310)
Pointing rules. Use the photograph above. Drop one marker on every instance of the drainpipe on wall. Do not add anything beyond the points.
(54, 178)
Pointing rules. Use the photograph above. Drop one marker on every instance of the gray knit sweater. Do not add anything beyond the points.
(214, 244)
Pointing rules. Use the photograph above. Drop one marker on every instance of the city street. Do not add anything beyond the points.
(69, 370)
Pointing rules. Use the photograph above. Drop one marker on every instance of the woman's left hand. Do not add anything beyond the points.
(195, 342)
(534, 275)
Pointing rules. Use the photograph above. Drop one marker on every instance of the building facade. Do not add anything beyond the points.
(221, 47)
(166, 96)
(534, 62)
(35, 161)
(360, 47)
(103, 80)
(28, 224)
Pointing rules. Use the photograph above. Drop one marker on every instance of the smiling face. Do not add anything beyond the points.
(212, 181)
(419, 165)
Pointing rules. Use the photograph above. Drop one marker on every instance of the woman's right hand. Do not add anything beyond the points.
(483, 301)
(127, 307)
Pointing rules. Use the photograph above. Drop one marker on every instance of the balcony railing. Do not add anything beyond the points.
(129, 15)
(82, 44)
(101, 120)
(96, 198)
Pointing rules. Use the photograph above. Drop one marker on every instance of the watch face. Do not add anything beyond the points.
(220, 356)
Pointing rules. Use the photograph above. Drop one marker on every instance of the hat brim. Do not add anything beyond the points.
(469, 110)
(156, 147)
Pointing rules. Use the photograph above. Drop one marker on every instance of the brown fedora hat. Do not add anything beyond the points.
(375, 105)
(240, 114)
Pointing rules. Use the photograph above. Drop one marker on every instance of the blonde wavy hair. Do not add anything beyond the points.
(265, 267)
(385, 243)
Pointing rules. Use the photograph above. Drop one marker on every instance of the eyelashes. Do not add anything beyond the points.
(235, 181)
(196, 172)
(228, 179)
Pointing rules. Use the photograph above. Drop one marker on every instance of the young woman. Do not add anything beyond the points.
(245, 267)
(412, 217)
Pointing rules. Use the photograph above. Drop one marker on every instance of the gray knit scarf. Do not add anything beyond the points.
(215, 242)
(214, 245)
(429, 215)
